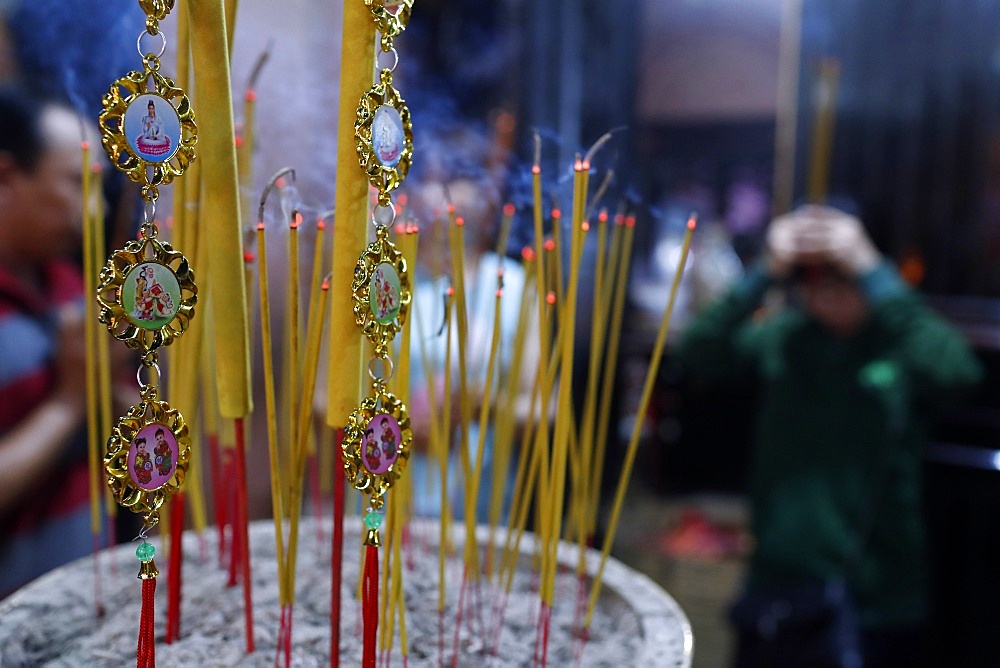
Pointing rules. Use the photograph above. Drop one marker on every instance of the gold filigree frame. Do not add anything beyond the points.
(380, 251)
(145, 250)
(382, 177)
(352, 447)
(158, 9)
(112, 124)
(126, 492)
(390, 24)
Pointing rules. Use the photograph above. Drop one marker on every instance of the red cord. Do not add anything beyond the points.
(337, 551)
(219, 506)
(317, 498)
(146, 649)
(285, 636)
(240, 531)
(458, 617)
(232, 513)
(370, 606)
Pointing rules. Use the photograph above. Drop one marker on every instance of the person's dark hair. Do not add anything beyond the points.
(20, 128)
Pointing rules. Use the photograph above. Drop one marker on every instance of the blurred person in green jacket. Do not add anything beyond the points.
(847, 372)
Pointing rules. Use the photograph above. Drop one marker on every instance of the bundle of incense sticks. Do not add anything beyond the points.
(303, 349)
(559, 455)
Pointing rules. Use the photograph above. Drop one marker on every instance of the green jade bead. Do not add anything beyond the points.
(145, 552)
(373, 520)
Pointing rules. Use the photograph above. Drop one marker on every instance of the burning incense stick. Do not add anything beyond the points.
(271, 409)
(647, 393)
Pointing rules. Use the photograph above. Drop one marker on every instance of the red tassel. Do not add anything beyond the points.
(369, 606)
(146, 649)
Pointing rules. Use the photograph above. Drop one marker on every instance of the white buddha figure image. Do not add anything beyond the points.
(153, 140)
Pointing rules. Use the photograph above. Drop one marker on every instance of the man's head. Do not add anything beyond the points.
(41, 194)
(825, 251)
(832, 298)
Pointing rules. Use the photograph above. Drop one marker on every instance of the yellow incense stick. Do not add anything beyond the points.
(647, 393)
(472, 487)
(508, 414)
(103, 342)
(94, 452)
(443, 452)
(789, 50)
(621, 254)
(314, 341)
(505, 223)
(564, 425)
(457, 247)
(537, 476)
(271, 409)
(585, 497)
(293, 337)
(315, 288)
(822, 147)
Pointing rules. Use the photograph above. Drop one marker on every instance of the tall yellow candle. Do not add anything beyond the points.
(221, 204)
(350, 232)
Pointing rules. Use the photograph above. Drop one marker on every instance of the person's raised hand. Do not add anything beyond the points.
(70, 357)
(794, 239)
(846, 244)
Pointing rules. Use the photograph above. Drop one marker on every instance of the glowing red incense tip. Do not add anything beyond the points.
(692, 223)
(451, 208)
(296, 221)
(630, 221)
(412, 228)
(499, 293)
(85, 146)
(260, 226)
(602, 217)
(251, 95)
(535, 169)
(320, 224)
(585, 166)
(619, 219)
(527, 254)
(326, 284)
(585, 226)
(402, 199)
(451, 291)
(239, 141)
(96, 168)
(459, 221)
(400, 228)
(248, 257)
(550, 245)
(578, 166)
(550, 298)
(556, 213)
(508, 209)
